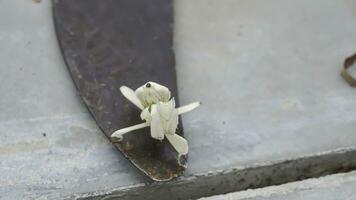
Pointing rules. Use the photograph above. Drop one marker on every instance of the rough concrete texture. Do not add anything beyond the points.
(333, 187)
(38, 97)
(236, 179)
(267, 73)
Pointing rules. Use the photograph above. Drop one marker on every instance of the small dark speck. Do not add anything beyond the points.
(223, 122)
(44, 134)
(20, 68)
(36, 1)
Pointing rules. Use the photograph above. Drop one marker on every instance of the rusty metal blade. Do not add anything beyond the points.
(110, 43)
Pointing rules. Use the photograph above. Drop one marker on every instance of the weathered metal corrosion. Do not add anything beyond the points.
(349, 62)
(111, 43)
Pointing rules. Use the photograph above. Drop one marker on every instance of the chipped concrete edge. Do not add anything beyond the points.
(315, 185)
(235, 179)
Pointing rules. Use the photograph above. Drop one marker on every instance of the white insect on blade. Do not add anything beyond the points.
(160, 113)
(164, 119)
(152, 93)
(131, 96)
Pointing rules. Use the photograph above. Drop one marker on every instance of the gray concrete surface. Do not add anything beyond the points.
(235, 179)
(333, 187)
(266, 72)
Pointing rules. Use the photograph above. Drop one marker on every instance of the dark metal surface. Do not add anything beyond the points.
(110, 43)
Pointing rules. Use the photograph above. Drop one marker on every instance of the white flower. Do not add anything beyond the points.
(164, 119)
(159, 112)
(152, 93)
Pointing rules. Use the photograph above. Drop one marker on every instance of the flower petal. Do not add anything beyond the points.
(163, 91)
(188, 108)
(119, 133)
(165, 109)
(157, 130)
(146, 115)
(131, 96)
(179, 143)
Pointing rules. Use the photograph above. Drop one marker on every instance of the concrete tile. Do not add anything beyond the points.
(268, 76)
(333, 187)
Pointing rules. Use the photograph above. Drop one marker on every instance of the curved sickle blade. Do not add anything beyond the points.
(110, 43)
